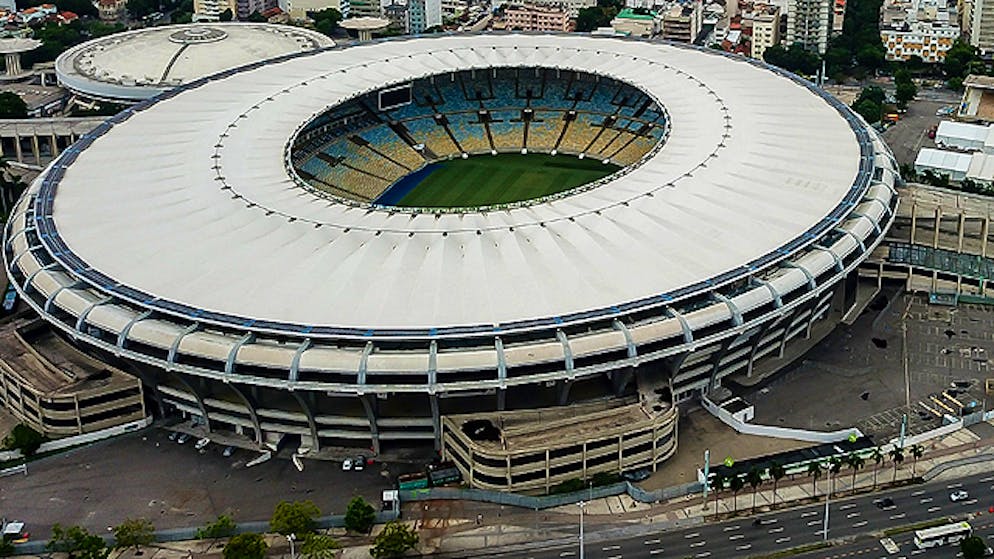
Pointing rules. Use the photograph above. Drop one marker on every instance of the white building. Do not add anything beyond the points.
(922, 28)
(764, 19)
(978, 167)
(572, 6)
(966, 137)
(982, 25)
(808, 22)
(297, 9)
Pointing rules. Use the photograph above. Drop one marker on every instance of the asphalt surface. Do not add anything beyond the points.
(871, 547)
(849, 518)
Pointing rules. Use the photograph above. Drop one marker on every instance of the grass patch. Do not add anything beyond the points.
(918, 526)
(793, 551)
(484, 180)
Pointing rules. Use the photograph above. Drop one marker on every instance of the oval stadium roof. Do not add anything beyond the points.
(189, 200)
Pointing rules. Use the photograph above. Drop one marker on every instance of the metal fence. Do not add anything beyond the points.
(550, 501)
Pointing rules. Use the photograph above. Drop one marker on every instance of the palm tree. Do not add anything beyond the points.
(717, 485)
(877, 458)
(777, 471)
(755, 478)
(896, 456)
(856, 462)
(736, 484)
(916, 452)
(814, 470)
(834, 467)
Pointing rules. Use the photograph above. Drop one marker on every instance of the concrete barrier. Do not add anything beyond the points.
(820, 437)
(77, 440)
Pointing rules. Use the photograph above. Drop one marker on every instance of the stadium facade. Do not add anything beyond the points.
(236, 265)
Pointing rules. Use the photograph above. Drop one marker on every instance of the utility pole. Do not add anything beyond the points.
(904, 428)
(707, 473)
(828, 499)
(582, 504)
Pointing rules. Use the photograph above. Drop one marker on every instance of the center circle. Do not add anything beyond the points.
(197, 35)
(475, 139)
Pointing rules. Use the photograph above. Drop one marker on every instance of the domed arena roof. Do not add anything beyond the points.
(136, 65)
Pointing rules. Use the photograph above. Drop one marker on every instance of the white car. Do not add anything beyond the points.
(347, 465)
(958, 495)
(201, 443)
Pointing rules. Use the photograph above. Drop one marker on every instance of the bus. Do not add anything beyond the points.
(412, 481)
(943, 535)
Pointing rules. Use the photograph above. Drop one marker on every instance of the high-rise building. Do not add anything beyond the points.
(211, 10)
(765, 22)
(808, 22)
(572, 6)
(682, 21)
(982, 25)
(922, 28)
(536, 18)
(365, 8)
(423, 15)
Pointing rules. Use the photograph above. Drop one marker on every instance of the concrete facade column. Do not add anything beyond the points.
(374, 431)
(17, 148)
(36, 149)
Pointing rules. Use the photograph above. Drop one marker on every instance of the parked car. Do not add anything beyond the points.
(183, 437)
(959, 495)
(173, 436)
(359, 464)
(202, 443)
(347, 465)
(228, 451)
(9, 299)
(640, 474)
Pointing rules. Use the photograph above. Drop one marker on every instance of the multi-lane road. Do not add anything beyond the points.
(743, 537)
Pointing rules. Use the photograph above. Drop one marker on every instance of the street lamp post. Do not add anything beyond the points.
(290, 538)
(582, 504)
(828, 499)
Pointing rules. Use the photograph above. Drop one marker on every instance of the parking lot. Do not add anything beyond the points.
(146, 475)
(910, 133)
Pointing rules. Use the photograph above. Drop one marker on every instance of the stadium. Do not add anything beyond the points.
(521, 250)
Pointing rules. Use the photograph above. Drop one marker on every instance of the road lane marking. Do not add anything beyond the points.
(691, 535)
(954, 485)
(848, 506)
(615, 557)
(970, 502)
(698, 544)
(918, 493)
(809, 513)
(986, 479)
(859, 524)
(651, 542)
(814, 522)
(655, 551)
(852, 515)
(731, 528)
(744, 547)
(925, 500)
(735, 537)
(771, 521)
(897, 516)
(917, 551)
(703, 554)
(566, 554)
(784, 539)
(611, 548)
(934, 509)
(776, 530)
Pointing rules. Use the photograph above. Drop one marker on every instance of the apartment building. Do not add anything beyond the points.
(808, 23)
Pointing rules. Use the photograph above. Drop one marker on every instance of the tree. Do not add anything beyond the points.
(359, 516)
(12, 106)
(896, 456)
(588, 19)
(755, 479)
(223, 527)
(134, 532)
(6, 548)
(246, 546)
(877, 458)
(226, 15)
(736, 485)
(318, 546)
(973, 547)
(718, 481)
(856, 462)
(256, 17)
(958, 59)
(24, 438)
(834, 467)
(140, 9)
(777, 471)
(814, 470)
(77, 543)
(917, 451)
(905, 88)
(326, 21)
(296, 517)
(794, 58)
(393, 541)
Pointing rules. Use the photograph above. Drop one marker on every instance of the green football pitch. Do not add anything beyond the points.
(484, 180)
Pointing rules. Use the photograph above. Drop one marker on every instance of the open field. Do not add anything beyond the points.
(486, 180)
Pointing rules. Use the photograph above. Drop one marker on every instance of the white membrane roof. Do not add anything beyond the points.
(139, 64)
(191, 201)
